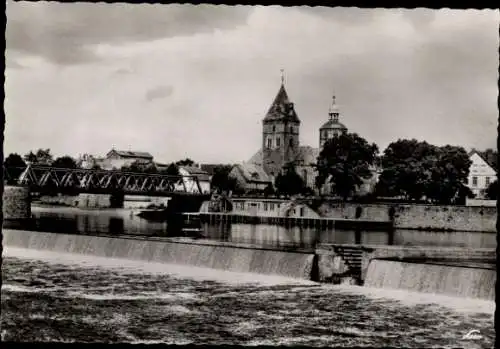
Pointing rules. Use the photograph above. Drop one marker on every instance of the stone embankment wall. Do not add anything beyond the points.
(422, 217)
(16, 203)
(94, 201)
(60, 200)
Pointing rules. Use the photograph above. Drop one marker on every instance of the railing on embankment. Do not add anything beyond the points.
(321, 223)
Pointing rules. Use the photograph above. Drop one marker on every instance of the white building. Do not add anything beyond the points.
(481, 174)
(116, 159)
(190, 182)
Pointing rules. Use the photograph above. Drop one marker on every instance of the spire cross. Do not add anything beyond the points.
(282, 76)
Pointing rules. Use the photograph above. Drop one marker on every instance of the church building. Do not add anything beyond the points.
(281, 140)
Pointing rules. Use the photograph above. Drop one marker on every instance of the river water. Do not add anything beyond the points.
(65, 297)
(48, 296)
(122, 221)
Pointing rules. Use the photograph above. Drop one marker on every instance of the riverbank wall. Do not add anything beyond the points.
(417, 216)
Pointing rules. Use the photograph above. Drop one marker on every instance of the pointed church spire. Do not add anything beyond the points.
(282, 108)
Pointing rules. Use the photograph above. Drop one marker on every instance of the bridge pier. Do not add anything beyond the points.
(16, 202)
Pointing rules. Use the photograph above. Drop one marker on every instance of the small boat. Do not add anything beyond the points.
(153, 214)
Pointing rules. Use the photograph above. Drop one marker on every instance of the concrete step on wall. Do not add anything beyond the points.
(352, 256)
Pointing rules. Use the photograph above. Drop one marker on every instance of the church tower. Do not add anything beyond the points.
(280, 133)
(333, 127)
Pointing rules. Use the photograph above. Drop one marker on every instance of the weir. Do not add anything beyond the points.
(443, 277)
(209, 255)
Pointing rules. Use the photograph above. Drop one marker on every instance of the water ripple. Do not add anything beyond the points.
(61, 300)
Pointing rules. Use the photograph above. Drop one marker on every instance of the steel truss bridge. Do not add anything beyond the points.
(45, 178)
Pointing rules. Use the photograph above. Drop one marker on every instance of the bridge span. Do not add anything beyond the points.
(50, 179)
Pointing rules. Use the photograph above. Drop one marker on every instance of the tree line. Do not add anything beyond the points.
(408, 169)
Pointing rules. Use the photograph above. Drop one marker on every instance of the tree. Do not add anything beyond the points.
(414, 170)
(185, 162)
(269, 190)
(65, 162)
(492, 190)
(140, 167)
(289, 182)
(41, 157)
(448, 174)
(221, 180)
(171, 170)
(347, 161)
(407, 166)
(14, 166)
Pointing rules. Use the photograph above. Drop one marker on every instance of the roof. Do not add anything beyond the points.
(282, 108)
(210, 168)
(306, 155)
(253, 173)
(195, 171)
(486, 159)
(131, 154)
(257, 158)
(333, 125)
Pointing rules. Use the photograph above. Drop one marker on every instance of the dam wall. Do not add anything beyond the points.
(448, 279)
(417, 216)
(334, 260)
(209, 255)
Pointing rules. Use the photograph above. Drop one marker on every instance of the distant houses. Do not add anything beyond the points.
(115, 159)
(481, 175)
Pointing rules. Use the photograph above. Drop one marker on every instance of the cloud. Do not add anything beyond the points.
(159, 92)
(64, 33)
(397, 74)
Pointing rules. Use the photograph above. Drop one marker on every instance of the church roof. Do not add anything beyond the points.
(253, 172)
(282, 108)
(257, 158)
(306, 155)
(333, 125)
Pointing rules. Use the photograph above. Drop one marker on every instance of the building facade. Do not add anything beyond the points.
(281, 145)
(481, 175)
(116, 159)
(280, 134)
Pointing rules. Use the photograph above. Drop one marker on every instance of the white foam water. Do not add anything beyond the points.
(175, 270)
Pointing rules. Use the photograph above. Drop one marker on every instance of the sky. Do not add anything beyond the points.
(196, 81)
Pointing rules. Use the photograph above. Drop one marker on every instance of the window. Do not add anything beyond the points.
(291, 143)
(487, 180)
(302, 211)
(271, 206)
(265, 206)
(274, 128)
(278, 142)
(269, 143)
(474, 181)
